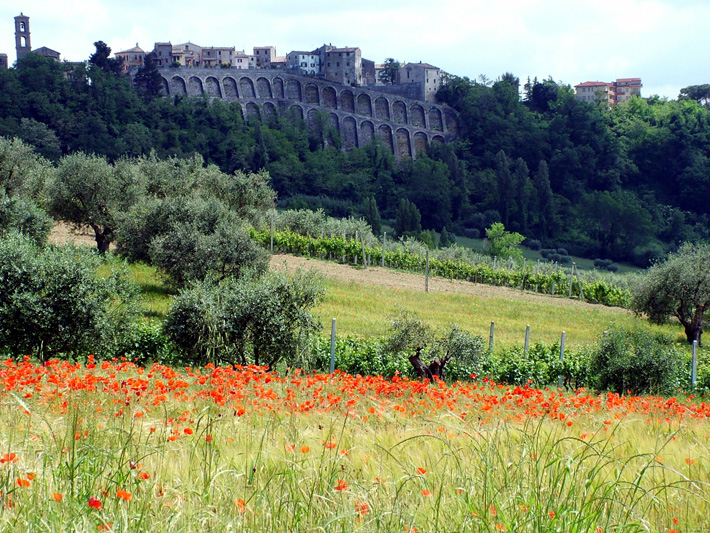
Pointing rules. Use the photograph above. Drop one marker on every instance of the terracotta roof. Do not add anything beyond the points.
(628, 79)
(594, 84)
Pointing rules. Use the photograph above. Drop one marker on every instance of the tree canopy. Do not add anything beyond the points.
(679, 286)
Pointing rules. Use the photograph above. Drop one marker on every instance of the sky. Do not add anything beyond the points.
(663, 42)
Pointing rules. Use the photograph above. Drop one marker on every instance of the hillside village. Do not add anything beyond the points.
(345, 65)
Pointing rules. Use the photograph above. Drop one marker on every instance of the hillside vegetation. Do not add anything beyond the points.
(625, 184)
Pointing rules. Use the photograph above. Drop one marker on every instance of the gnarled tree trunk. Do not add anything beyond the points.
(432, 371)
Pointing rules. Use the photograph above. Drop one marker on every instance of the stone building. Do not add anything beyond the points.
(264, 55)
(3, 61)
(187, 54)
(343, 65)
(427, 76)
(23, 44)
(134, 57)
(214, 56)
(163, 54)
(47, 52)
(243, 61)
(303, 63)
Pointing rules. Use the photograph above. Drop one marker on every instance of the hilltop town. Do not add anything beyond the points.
(344, 65)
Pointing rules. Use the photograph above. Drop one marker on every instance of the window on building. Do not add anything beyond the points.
(23, 27)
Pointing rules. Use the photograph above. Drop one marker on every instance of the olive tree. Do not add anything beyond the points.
(250, 320)
(52, 300)
(679, 286)
(87, 190)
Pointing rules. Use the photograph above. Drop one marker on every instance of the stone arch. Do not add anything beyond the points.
(177, 85)
(278, 86)
(230, 87)
(382, 108)
(293, 90)
(416, 116)
(437, 139)
(270, 110)
(347, 101)
(335, 122)
(212, 86)
(367, 132)
(330, 100)
(452, 126)
(296, 111)
(385, 133)
(312, 96)
(421, 146)
(311, 117)
(399, 112)
(404, 149)
(252, 111)
(364, 105)
(165, 90)
(246, 88)
(194, 86)
(349, 133)
(263, 88)
(435, 122)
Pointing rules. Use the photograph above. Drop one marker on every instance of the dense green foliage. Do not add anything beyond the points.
(249, 320)
(52, 301)
(679, 287)
(637, 361)
(626, 184)
(621, 361)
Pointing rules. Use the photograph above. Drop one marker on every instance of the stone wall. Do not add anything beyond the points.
(406, 125)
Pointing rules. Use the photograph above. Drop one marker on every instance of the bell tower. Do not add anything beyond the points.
(22, 36)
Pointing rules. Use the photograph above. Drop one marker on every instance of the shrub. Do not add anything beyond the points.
(533, 244)
(246, 321)
(635, 360)
(53, 302)
(21, 215)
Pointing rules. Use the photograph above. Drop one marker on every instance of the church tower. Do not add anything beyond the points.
(22, 36)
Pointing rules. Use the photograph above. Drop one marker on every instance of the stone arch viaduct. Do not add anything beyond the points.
(407, 126)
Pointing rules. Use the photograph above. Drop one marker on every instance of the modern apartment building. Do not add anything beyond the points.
(610, 93)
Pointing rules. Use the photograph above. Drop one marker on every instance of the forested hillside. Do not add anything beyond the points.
(626, 184)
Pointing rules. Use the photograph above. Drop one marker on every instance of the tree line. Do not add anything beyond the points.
(628, 183)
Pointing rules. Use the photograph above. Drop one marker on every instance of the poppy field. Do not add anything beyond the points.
(112, 446)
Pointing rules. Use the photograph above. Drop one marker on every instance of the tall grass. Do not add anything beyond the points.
(365, 309)
(210, 449)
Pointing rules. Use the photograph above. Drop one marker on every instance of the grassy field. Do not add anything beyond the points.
(114, 447)
(364, 310)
